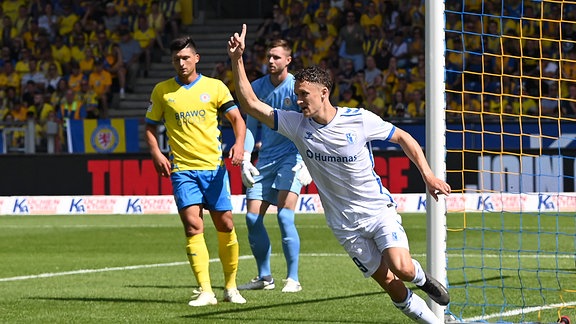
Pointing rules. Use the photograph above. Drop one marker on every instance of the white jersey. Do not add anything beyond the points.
(340, 160)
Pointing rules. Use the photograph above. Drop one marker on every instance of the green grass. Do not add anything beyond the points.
(157, 287)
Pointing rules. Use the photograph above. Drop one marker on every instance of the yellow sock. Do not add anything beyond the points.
(229, 250)
(199, 260)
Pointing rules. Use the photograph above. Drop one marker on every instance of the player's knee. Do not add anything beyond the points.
(190, 230)
(403, 270)
(286, 219)
(253, 221)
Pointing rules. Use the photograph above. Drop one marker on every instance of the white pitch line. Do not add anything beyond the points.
(14, 226)
(84, 271)
(171, 264)
(517, 312)
(134, 267)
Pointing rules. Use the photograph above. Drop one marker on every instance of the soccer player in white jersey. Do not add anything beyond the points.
(334, 143)
(277, 177)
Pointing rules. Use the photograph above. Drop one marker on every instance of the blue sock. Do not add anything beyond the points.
(290, 241)
(259, 243)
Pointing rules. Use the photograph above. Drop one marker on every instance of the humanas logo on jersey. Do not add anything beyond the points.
(330, 158)
(190, 117)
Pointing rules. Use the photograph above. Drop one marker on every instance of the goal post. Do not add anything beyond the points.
(435, 142)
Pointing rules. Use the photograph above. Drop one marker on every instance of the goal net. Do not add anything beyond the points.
(510, 90)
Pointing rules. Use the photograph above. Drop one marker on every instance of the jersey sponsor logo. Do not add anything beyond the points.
(329, 158)
(190, 117)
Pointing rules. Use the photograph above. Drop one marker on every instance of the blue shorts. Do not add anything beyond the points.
(210, 188)
(275, 176)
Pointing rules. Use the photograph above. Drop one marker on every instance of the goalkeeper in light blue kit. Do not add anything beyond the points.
(278, 176)
(360, 211)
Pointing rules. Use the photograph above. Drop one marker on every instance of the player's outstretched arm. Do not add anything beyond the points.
(413, 150)
(249, 102)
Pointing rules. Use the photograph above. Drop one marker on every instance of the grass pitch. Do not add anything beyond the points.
(133, 269)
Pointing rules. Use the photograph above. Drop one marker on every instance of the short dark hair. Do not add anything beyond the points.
(281, 43)
(180, 43)
(314, 74)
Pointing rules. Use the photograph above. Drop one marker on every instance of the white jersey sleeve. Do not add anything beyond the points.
(376, 128)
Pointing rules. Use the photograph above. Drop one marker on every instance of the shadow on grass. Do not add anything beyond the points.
(553, 271)
(486, 279)
(216, 314)
(268, 308)
(125, 300)
(170, 286)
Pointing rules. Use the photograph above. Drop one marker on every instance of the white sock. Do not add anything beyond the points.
(420, 276)
(415, 308)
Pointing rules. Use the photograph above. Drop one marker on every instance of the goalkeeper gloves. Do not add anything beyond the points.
(248, 171)
(302, 173)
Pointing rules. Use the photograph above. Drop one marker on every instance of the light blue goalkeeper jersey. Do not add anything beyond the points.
(274, 145)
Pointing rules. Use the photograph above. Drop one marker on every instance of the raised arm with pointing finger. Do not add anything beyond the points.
(246, 96)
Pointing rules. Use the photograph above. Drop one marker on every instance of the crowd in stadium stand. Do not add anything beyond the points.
(375, 51)
(519, 59)
(66, 58)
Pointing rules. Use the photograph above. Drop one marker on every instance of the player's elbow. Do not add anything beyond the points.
(250, 103)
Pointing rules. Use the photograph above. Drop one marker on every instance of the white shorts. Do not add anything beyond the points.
(366, 242)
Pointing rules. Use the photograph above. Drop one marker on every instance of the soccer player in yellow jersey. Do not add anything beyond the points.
(189, 106)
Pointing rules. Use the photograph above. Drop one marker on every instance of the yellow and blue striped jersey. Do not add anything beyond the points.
(190, 113)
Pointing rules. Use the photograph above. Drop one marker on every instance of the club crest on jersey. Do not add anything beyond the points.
(204, 97)
(287, 102)
(308, 135)
(351, 138)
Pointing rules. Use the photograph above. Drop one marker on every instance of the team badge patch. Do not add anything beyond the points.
(287, 102)
(205, 97)
(104, 139)
(351, 138)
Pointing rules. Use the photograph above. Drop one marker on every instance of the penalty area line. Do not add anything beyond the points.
(171, 264)
(85, 271)
(134, 267)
